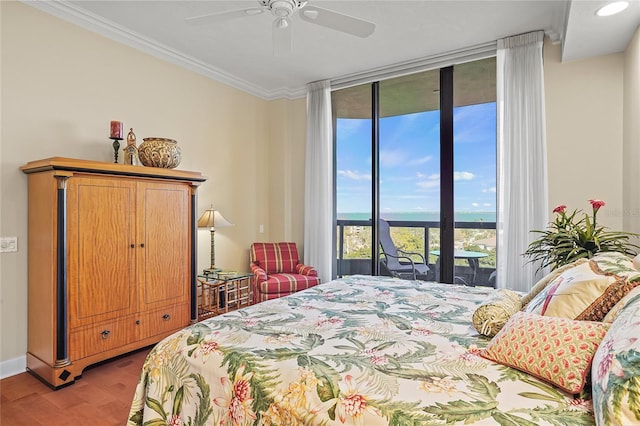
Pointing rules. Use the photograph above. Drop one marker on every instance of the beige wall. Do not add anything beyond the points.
(61, 85)
(631, 136)
(584, 132)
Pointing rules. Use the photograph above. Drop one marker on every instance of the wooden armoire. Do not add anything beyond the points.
(111, 261)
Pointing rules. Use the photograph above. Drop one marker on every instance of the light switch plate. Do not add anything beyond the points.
(8, 244)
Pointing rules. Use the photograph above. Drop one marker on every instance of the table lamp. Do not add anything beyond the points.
(211, 219)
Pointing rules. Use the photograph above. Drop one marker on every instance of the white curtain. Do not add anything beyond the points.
(522, 157)
(318, 198)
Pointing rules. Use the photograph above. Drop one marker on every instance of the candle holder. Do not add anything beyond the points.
(116, 148)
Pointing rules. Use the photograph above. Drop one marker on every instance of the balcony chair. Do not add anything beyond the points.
(397, 263)
(277, 271)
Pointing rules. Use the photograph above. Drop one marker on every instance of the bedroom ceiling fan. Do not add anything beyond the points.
(284, 11)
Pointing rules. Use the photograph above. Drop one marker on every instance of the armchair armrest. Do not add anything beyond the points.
(411, 253)
(307, 270)
(410, 260)
(259, 274)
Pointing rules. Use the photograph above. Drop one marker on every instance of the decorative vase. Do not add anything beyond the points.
(159, 152)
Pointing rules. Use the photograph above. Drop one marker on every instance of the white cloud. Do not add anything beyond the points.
(421, 160)
(428, 184)
(486, 205)
(354, 175)
(492, 189)
(392, 158)
(475, 204)
(463, 176)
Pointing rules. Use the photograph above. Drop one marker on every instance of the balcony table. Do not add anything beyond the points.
(472, 258)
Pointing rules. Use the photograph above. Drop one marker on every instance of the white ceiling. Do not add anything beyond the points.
(239, 52)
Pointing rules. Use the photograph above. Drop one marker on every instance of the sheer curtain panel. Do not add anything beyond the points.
(318, 195)
(522, 156)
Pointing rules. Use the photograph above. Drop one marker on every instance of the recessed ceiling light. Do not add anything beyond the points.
(612, 8)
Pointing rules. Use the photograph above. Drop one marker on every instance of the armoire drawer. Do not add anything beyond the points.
(101, 338)
(163, 320)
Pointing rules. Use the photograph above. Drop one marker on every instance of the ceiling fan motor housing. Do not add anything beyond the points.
(283, 8)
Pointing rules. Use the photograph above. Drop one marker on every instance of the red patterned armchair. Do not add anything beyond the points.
(277, 271)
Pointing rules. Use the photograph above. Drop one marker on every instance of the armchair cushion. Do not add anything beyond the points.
(278, 285)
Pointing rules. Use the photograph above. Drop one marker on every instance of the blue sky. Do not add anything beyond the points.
(410, 162)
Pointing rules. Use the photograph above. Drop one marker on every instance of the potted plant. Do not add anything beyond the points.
(575, 236)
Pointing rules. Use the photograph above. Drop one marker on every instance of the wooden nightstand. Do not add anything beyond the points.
(221, 292)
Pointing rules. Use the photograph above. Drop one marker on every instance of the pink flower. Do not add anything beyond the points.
(351, 405)
(237, 399)
(596, 204)
(560, 209)
(175, 420)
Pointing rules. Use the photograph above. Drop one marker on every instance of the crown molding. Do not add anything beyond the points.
(89, 21)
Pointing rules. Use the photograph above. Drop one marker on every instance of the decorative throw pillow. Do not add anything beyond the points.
(492, 314)
(615, 311)
(588, 290)
(636, 262)
(556, 350)
(540, 285)
(615, 374)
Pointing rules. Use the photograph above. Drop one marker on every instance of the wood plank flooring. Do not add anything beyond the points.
(101, 397)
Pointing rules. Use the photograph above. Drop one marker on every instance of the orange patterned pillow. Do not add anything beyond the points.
(556, 350)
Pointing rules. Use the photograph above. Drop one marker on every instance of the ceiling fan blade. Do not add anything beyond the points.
(223, 16)
(281, 34)
(337, 21)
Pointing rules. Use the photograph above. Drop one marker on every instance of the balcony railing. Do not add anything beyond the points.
(349, 263)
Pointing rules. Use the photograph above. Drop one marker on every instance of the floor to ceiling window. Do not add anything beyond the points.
(420, 152)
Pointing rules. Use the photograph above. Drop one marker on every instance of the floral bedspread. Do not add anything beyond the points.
(359, 350)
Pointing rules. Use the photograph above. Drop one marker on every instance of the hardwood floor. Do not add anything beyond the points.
(101, 397)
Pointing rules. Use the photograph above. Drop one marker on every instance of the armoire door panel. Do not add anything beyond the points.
(164, 273)
(101, 259)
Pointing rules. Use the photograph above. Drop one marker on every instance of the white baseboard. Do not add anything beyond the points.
(14, 366)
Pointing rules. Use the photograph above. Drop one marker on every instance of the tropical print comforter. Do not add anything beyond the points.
(355, 351)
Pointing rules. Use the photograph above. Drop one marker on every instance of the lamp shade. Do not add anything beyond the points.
(213, 219)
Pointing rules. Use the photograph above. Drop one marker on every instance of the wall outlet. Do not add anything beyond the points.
(261, 229)
(8, 244)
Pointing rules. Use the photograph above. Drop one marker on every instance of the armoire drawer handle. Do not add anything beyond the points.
(133, 245)
(105, 334)
(166, 317)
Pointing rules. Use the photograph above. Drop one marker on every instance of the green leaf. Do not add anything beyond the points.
(156, 422)
(456, 411)
(506, 419)
(137, 417)
(177, 401)
(156, 406)
(198, 331)
(483, 387)
(535, 395)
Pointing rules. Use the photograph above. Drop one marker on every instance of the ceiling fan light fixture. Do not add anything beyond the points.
(282, 23)
(612, 8)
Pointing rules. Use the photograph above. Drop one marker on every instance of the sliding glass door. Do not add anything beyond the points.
(420, 152)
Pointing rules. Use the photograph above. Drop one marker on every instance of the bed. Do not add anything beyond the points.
(358, 350)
